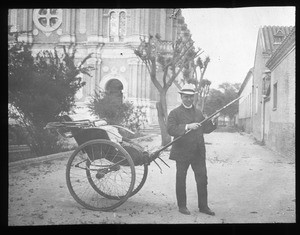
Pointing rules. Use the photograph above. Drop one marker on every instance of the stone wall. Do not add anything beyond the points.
(245, 124)
(281, 138)
(281, 133)
(259, 68)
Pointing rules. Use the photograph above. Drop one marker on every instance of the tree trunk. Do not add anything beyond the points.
(203, 103)
(30, 140)
(162, 113)
(198, 102)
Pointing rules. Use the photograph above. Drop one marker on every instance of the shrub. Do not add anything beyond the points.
(117, 112)
(16, 135)
(40, 89)
(136, 119)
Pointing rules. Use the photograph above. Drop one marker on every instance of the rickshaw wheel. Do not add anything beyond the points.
(141, 169)
(100, 175)
(141, 173)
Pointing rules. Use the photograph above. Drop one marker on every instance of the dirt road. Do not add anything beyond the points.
(247, 183)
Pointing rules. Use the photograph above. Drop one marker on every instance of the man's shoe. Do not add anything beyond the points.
(184, 210)
(207, 211)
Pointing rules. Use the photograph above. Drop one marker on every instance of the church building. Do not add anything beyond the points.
(111, 35)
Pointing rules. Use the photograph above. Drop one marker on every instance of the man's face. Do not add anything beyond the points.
(187, 100)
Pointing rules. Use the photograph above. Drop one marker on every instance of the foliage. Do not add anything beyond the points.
(230, 92)
(16, 135)
(109, 107)
(137, 119)
(43, 86)
(219, 98)
(40, 89)
(215, 101)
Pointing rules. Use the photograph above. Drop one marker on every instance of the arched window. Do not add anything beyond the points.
(117, 26)
(122, 29)
(113, 26)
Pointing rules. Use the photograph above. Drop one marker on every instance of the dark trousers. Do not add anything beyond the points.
(199, 167)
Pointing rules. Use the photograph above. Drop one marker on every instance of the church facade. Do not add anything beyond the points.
(111, 35)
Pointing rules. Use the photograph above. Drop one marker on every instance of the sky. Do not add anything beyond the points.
(229, 36)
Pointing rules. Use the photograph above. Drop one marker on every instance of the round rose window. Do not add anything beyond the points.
(47, 20)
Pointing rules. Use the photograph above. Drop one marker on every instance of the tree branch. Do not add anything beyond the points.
(179, 59)
(177, 84)
(175, 47)
(147, 66)
(153, 76)
(85, 59)
(195, 72)
(203, 72)
(174, 76)
(164, 77)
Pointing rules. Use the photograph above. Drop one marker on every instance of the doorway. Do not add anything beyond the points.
(115, 87)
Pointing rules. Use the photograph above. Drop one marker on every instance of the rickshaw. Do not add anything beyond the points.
(107, 167)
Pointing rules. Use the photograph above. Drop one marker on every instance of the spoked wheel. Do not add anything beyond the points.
(141, 173)
(141, 170)
(100, 175)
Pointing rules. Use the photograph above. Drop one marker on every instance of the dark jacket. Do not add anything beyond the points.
(192, 144)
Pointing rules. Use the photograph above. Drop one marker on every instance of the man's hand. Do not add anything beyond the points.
(192, 126)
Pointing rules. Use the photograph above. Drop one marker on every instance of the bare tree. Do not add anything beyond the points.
(194, 73)
(164, 61)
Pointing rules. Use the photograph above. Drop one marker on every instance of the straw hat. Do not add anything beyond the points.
(188, 89)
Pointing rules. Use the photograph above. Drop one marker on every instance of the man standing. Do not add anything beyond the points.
(190, 149)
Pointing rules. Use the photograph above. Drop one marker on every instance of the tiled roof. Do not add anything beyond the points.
(287, 43)
(268, 33)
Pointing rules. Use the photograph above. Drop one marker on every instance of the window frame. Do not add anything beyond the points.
(117, 37)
